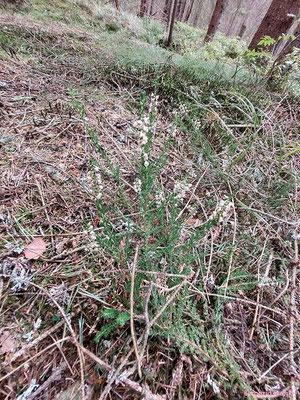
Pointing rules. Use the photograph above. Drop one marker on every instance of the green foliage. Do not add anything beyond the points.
(222, 47)
(287, 73)
(118, 319)
(266, 41)
(280, 74)
(220, 132)
(187, 39)
(111, 27)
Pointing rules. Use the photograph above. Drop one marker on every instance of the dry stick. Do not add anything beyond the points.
(35, 342)
(160, 273)
(201, 351)
(64, 356)
(144, 391)
(116, 373)
(170, 299)
(56, 374)
(1, 287)
(33, 357)
(284, 393)
(117, 145)
(284, 290)
(209, 262)
(73, 334)
(137, 356)
(46, 211)
(145, 336)
(253, 303)
(147, 321)
(259, 289)
(295, 265)
(193, 192)
(67, 234)
(274, 365)
(243, 205)
(233, 245)
(72, 178)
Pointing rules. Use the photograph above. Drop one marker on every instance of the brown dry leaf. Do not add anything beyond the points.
(7, 343)
(195, 222)
(35, 249)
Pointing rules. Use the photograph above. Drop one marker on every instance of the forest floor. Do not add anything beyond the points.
(149, 221)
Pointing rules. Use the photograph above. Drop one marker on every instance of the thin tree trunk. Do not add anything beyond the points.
(189, 10)
(167, 10)
(143, 8)
(178, 9)
(182, 9)
(171, 23)
(151, 8)
(215, 19)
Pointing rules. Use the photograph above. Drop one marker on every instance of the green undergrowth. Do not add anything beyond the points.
(190, 227)
(169, 240)
(119, 43)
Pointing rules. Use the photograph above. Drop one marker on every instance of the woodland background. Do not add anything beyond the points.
(248, 19)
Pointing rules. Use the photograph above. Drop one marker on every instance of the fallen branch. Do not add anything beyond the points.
(137, 356)
(143, 390)
(56, 374)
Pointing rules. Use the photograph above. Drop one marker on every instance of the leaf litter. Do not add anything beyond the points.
(35, 249)
(83, 280)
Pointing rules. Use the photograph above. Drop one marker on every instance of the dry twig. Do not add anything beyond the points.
(138, 359)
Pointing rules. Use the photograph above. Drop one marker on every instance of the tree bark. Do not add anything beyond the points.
(187, 12)
(218, 11)
(285, 46)
(118, 4)
(181, 10)
(171, 23)
(151, 8)
(167, 10)
(277, 20)
(143, 8)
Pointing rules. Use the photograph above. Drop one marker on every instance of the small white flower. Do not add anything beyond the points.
(144, 140)
(181, 189)
(138, 185)
(159, 198)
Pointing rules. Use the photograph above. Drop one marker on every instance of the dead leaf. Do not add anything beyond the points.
(35, 249)
(7, 343)
(195, 222)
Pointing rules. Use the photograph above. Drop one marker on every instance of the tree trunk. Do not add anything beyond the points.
(277, 20)
(187, 11)
(118, 4)
(180, 6)
(171, 23)
(285, 46)
(215, 19)
(181, 9)
(166, 11)
(143, 8)
(150, 13)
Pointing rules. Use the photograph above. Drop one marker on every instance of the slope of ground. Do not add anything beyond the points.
(168, 201)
